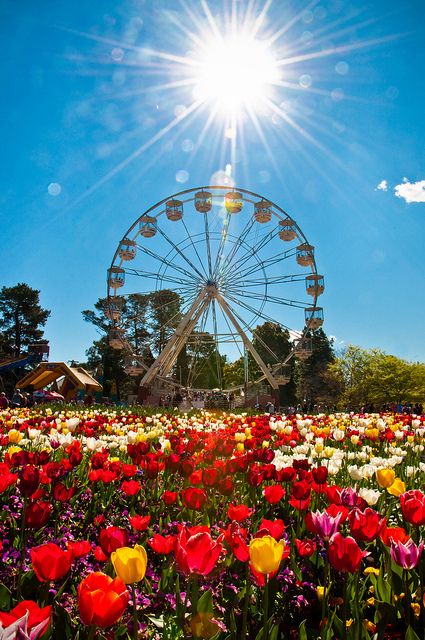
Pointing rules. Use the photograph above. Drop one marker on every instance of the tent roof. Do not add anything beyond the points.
(47, 372)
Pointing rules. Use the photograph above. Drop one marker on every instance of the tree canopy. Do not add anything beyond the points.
(21, 318)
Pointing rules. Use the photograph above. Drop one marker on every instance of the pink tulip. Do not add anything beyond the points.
(324, 524)
(406, 555)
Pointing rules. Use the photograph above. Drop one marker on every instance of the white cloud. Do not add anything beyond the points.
(383, 185)
(410, 191)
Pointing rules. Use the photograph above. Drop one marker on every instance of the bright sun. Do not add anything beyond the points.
(235, 73)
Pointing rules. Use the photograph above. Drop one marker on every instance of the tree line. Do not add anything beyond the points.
(349, 377)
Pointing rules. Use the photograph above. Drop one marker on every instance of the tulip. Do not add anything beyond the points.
(79, 548)
(397, 488)
(413, 506)
(162, 544)
(305, 548)
(385, 477)
(102, 600)
(266, 554)
(345, 554)
(130, 564)
(26, 620)
(131, 487)
(29, 479)
(196, 552)
(238, 512)
(325, 525)
(37, 514)
(406, 554)
(50, 562)
(112, 538)
(274, 528)
(389, 534)
(274, 493)
(140, 523)
(194, 498)
(365, 526)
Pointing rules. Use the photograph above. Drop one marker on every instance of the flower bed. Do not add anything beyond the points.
(119, 525)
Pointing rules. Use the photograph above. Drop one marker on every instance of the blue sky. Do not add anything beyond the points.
(83, 91)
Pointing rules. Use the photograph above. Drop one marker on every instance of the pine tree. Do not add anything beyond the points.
(21, 318)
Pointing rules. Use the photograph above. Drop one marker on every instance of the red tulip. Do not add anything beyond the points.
(131, 487)
(36, 624)
(305, 548)
(112, 538)
(238, 512)
(320, 474)
(99, 555)
(209, 477)
(365, 525)
(169, 497)
(7, 480)
(235, 537)
(393, 534)
(162, 544)
(274, 493)
(194, 498)
(37, 514)
(79, 548)
(29, 479)
(102, 600)
(50, 562)
(345, 554)
(196, 553)
(62, 493)
(413, 507)
(274, 528)
(140, 523)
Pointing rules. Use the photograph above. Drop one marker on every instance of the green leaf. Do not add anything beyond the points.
(5, 598)
(411, 635)
(273, 633)
(302, 631)
(205, 603)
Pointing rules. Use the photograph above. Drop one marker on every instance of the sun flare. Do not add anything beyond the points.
(234, 73)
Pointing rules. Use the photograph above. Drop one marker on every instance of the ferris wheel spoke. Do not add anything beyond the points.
(262, 265)
(255, 249)
(296, 277)
(180, 252)
(189, 235)
(208, 245)
(269, 298)
(257, 313)
(154, 276)
(223, 239)
(238, 243)
(166, 263)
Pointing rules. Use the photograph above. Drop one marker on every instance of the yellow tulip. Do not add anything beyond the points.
(385, 477)
(397, 488)
(266, 554)
(130, 564)
(14, 436)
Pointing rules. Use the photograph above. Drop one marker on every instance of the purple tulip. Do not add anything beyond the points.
(325, 524)
(406, 555)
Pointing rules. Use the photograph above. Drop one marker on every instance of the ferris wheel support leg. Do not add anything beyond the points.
(182, 339)
(170, 352)
(248, 344)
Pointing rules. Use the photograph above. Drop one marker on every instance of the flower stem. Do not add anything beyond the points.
(135, 620)
(246, 602)
(266, 608)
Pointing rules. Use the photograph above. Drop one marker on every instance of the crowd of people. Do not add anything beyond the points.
(18, 399)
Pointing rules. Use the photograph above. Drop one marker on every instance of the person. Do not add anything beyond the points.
(17, 398)
(4, 402)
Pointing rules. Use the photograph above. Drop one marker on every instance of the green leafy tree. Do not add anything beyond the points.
(313, 384)
(21, 318)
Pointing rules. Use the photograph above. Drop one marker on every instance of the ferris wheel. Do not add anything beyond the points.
(225, 262)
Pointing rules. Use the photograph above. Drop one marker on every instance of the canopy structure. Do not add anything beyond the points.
(73, 378)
